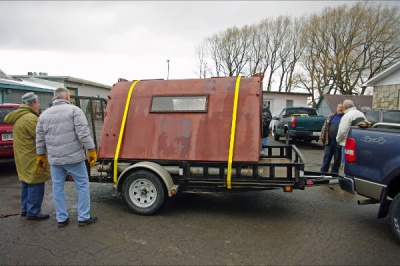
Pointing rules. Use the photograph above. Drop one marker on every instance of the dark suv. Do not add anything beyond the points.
(6, 140)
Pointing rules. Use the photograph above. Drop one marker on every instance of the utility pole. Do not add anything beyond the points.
(168, 68)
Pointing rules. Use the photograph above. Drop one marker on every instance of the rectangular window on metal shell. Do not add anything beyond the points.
(179, 103)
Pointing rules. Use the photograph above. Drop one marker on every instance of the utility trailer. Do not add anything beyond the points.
(164, 137)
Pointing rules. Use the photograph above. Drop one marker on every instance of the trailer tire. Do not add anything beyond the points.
(143, 192)
(394, 212)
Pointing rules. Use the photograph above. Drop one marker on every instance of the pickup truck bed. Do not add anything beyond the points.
(372, 169)
(298, 123)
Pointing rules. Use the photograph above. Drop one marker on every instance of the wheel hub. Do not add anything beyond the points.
(143, 193)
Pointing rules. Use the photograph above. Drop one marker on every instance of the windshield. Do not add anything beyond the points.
(307, 111)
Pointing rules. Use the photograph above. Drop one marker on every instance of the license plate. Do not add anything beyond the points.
(6, 136)
(316, 133)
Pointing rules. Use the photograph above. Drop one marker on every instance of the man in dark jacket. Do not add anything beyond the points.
(266, 120)
(328, 138)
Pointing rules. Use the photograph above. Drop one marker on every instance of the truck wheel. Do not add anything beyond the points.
(395, 216)
(276, 136)
(287, 139)
(143, 192)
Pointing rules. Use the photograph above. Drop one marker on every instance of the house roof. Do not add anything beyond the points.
(381, 75)
(66, 78)
(41, 82)
(3, 75)
(359, 100)
(24, 85)
(289, 93)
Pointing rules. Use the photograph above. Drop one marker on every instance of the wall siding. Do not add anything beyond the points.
(386, 97)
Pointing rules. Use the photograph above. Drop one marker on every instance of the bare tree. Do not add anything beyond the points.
(339, 49)
(344, 47)
(257, 51)
(202, 64)
(214, 44)
(290, 53)
(230, 50)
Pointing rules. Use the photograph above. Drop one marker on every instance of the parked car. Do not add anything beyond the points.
(6, 141)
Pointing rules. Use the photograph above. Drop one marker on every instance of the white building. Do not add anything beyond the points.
(279, 100)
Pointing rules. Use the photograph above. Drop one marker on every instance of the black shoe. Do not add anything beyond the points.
(62, 224)
(91, 220)
(40, 216)
(23, 214)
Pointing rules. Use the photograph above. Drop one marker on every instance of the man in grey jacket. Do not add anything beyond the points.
(62, 130)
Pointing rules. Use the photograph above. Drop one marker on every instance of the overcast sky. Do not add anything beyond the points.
(102, 41)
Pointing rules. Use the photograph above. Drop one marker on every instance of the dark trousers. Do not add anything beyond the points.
(32, 198)
(332, 149)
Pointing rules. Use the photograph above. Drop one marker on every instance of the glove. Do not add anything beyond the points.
(92, 158)
(364, 124)
(41, 162)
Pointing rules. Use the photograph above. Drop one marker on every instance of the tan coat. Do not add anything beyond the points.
(24, 121)
(324, 131)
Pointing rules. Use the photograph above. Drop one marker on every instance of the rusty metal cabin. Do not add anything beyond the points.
(185, 120)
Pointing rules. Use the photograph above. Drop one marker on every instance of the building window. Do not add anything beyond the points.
(267, 103)
(179, 103)
(289, 103)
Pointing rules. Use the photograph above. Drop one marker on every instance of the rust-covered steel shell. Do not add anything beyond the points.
(184, 136)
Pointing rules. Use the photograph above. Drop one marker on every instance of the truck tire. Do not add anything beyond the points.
(394, 212)
(276, 136)
(287, 139)
(143, 192)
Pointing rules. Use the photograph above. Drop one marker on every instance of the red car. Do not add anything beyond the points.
(6, 141)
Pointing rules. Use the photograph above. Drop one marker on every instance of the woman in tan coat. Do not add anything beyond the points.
(24, 121)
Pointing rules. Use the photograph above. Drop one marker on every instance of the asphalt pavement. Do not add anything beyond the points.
(317, 226)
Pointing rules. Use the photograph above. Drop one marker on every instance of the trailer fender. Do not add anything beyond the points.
(157, 169)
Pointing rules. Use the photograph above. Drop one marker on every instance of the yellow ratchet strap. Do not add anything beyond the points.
(121, 131)
(233, 129)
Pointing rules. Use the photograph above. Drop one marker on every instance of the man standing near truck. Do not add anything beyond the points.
(63, 132)
(266, 120)
(328, 137)
(24, 121)
(350, 118)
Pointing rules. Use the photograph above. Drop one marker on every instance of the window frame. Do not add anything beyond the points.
(206, 96)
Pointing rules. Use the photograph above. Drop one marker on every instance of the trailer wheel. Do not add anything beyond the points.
(395, 216)
(143, 192)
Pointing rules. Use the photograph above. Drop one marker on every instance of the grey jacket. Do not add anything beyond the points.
(63, 131)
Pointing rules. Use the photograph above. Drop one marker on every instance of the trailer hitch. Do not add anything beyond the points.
(318, 178)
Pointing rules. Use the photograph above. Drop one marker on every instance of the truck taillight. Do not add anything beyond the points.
(350, 150)
(293, 121)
